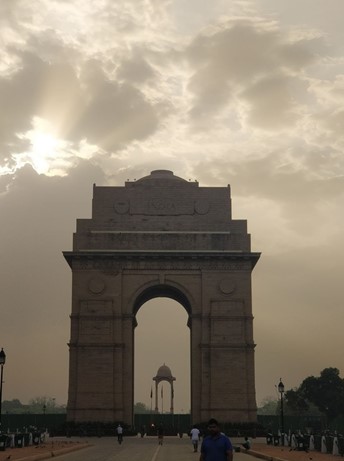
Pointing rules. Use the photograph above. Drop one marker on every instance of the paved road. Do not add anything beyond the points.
(137, 449)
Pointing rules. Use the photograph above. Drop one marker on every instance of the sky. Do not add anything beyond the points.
(244, 92)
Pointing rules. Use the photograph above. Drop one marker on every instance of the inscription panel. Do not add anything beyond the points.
(227, 308)
(160, 206)
(226, 331)
(157, 264)
(93, 307)
(93, 327)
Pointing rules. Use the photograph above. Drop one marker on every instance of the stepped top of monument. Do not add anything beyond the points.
(161, 174)
(161, 211)
(160, 178)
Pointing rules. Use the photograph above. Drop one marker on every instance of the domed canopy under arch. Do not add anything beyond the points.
(164, 374)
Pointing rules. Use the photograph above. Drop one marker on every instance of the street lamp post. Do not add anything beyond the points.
(44, 412)
(2, 363)
(281, 391)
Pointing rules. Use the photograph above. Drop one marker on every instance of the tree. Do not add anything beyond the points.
(140, 408)
(296, 402)
(45, 404)
(269, 407)
(13, 406)
(326, 392)
(36, 405)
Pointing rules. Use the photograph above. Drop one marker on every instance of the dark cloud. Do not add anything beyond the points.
(256, 63)
(18, 96)
(240, 50)
(332, 123)
(271, 103)
(113, 113)
(135, 69)
(276, 175)
(90, 106)
(9, 12)
(292, 205)
(38, 88)
(213, 93)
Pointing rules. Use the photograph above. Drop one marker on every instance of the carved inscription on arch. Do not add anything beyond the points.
(92, 307)
(227, 308)
(160, 265)
(160, 206)
(227, 330)
(95, 330)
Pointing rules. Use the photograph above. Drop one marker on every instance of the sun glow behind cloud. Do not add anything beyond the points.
(49, 154)
(45, 152)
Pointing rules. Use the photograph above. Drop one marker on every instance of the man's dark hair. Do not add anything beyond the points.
(213, 421)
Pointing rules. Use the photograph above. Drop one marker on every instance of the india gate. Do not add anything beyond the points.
(161, 236)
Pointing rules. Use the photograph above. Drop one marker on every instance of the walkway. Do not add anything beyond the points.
(147, 449)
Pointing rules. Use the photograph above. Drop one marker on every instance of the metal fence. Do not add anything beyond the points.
(55, 423)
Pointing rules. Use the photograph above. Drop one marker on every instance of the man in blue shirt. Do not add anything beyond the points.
(216, 446)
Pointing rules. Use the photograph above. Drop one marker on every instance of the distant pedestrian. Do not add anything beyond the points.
(119, 431)
(247, 443)
(160, 434)
(143, 431)
(195, 435)
(216, 446)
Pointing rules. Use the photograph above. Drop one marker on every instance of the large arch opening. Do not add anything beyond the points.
(162, 336)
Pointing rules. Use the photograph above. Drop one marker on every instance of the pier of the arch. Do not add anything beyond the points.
(161, 236)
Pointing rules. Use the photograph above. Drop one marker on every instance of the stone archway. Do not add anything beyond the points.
(161, 236)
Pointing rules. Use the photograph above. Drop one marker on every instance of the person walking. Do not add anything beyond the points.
(160, 434)
(216, 446)
(195, 435)
(119, 430)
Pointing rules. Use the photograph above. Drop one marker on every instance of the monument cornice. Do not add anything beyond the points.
(215, 345)
(106, 256)
(92, 345)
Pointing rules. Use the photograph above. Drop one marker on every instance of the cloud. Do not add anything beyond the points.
(135, 69)
(299, 209)
(271, 104)
(247, 62)
(114, 113)
(38, 88)
(90, 106)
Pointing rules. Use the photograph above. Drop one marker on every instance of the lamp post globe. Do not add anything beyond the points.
(281, 387)
(2, 357)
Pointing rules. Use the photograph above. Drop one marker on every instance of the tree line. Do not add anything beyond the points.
(321, 395)
(37, 405)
